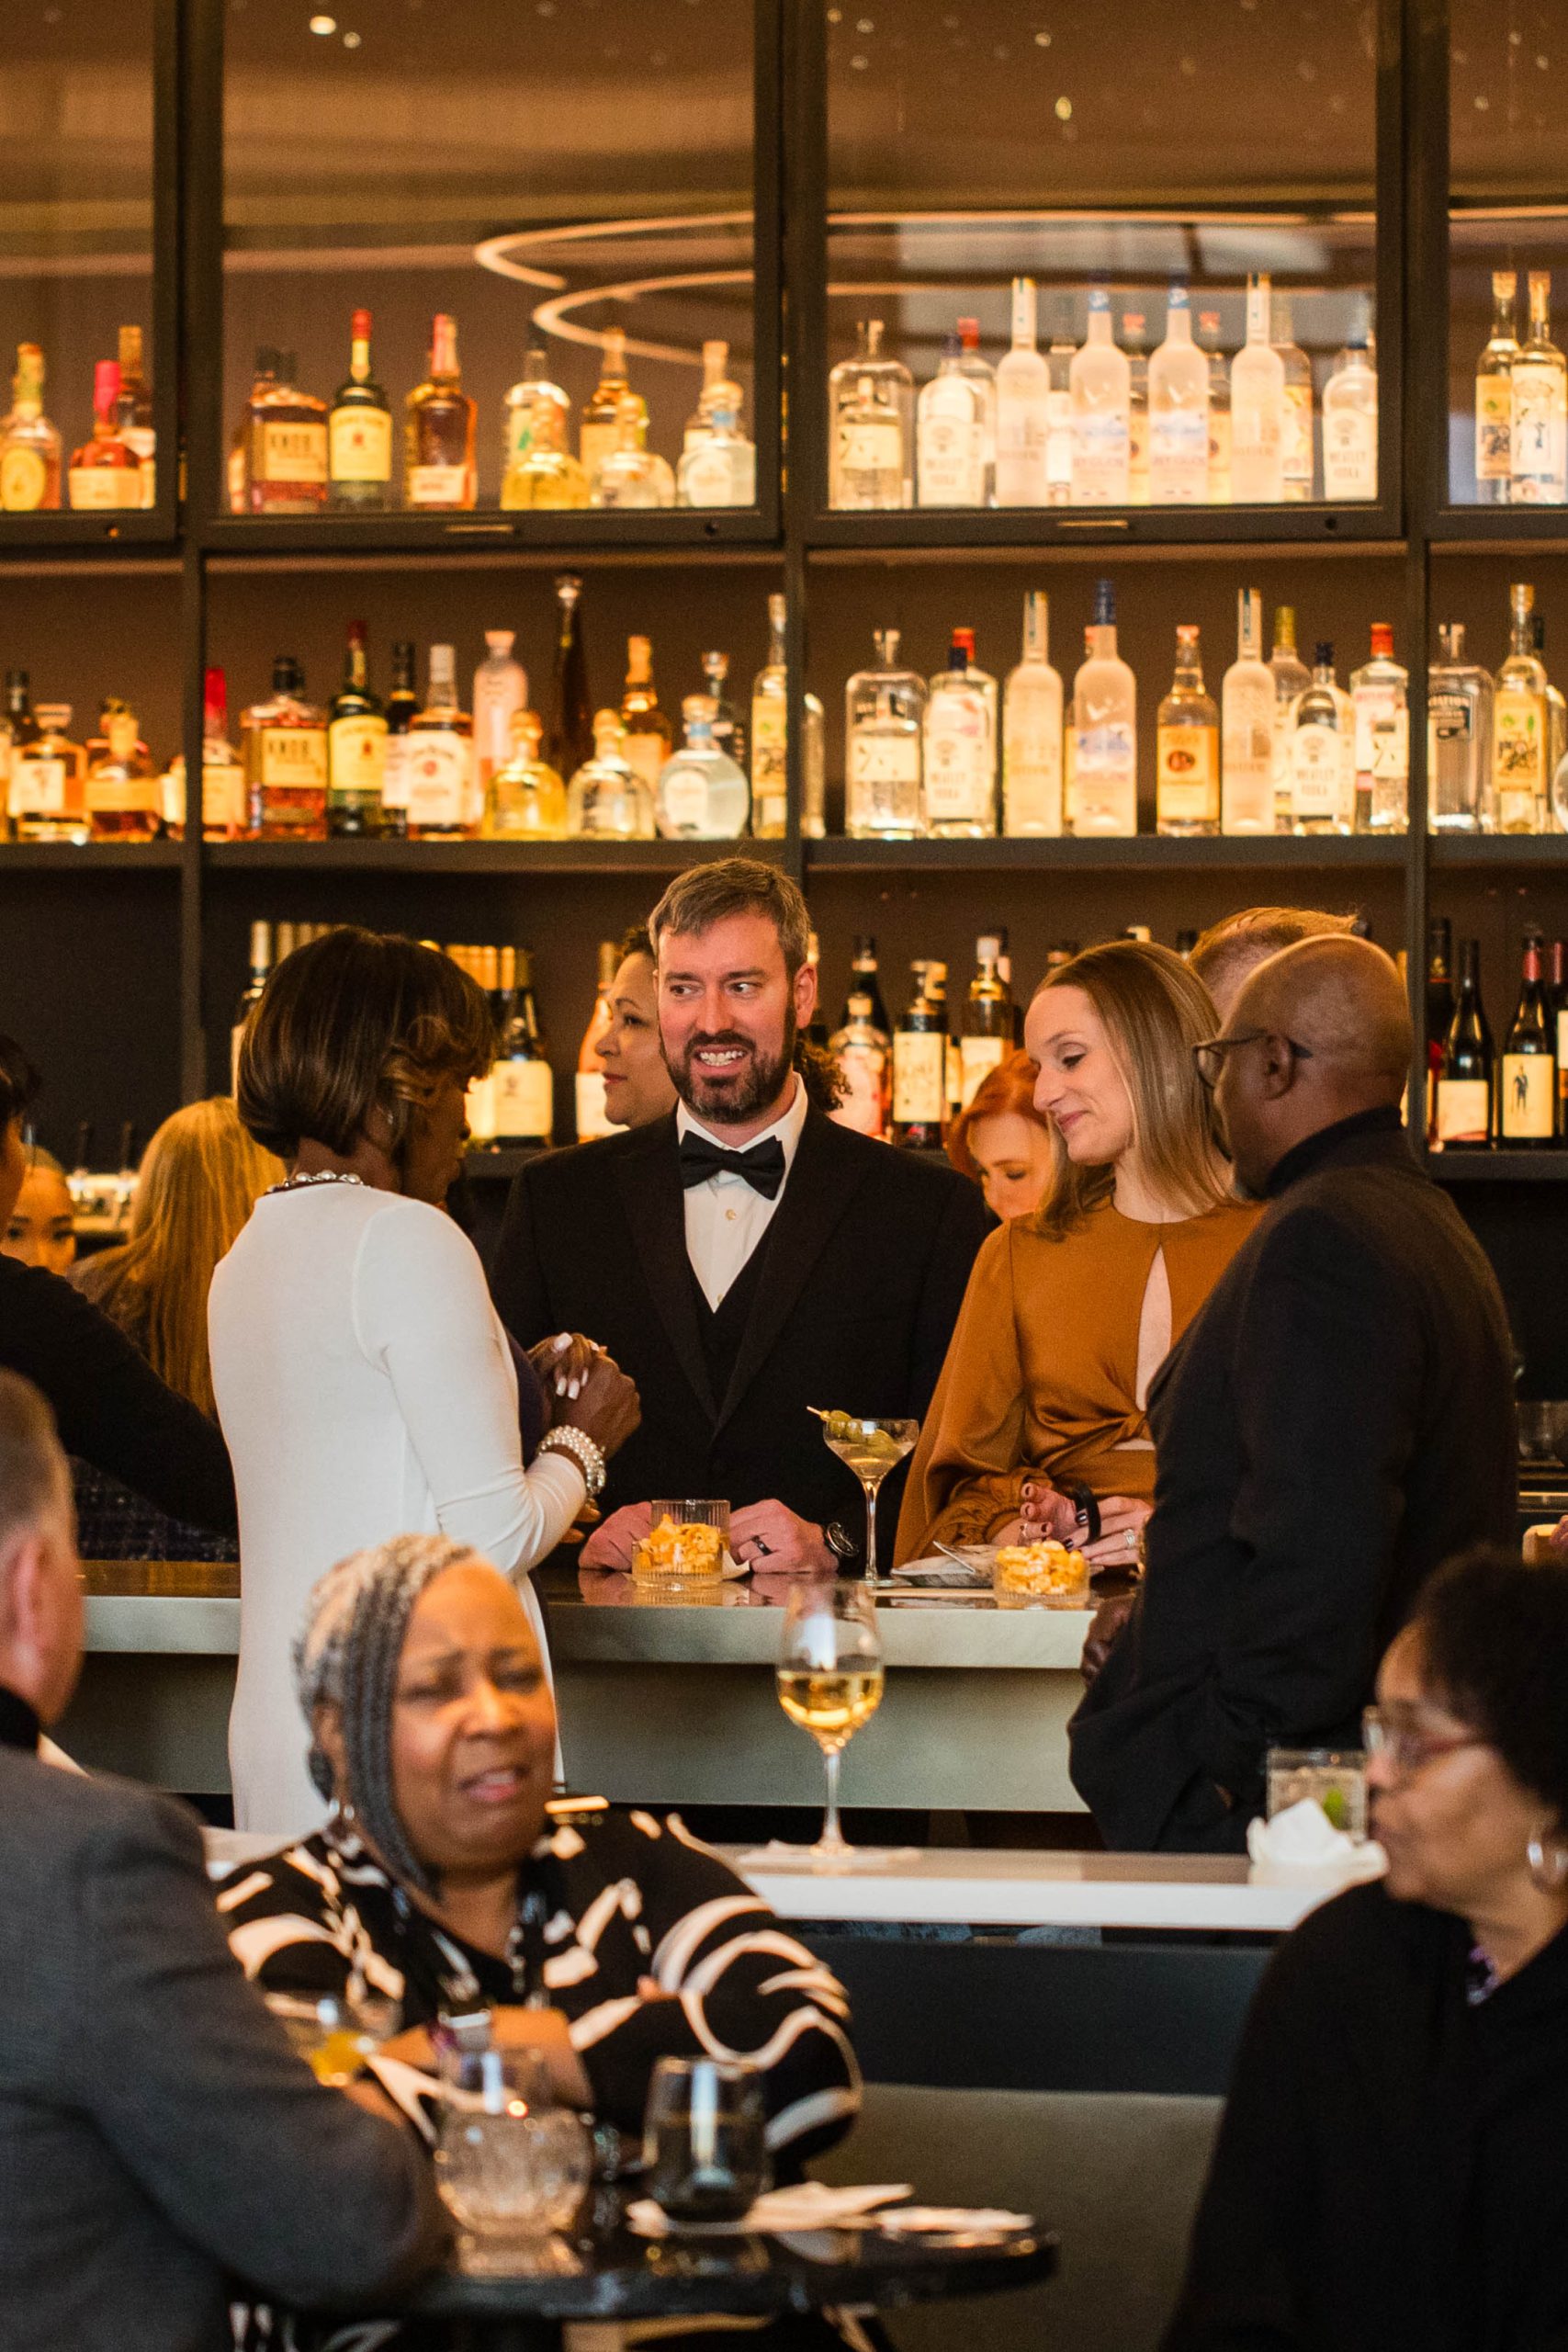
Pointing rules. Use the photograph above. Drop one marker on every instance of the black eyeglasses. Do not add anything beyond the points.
(1209, 1058)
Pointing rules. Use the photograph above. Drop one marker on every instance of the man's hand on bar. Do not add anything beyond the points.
(613, 1542)
(772, 1538)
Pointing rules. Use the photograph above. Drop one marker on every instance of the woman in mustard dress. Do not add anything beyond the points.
(1070, 1312)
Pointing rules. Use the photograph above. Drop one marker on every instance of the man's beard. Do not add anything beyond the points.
(735, 1098)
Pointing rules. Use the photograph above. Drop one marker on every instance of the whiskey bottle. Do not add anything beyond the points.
(224, 810)
(356, 747)
(1464, 1114)
(919, 1061)
(106, 471)
(1527, 1109)
(285, 470)
(439, 470)
(402, 706)
(121, 792)
(522, 1081)
(441, 796)
(29, 446)
(648, 736)
(359, 431)
(1188, 748)
(568, 721)
(133, 412)
(285, 745)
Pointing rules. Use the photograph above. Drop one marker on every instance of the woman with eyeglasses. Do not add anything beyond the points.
(1393, 2167)
(1038, 1424)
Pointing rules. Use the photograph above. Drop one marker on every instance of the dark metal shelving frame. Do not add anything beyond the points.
(1413, 522)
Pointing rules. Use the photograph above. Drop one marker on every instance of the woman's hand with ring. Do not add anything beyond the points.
(1121, 1520)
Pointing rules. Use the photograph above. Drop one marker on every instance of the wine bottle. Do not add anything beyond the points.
(1465, 1074)
(524, 1086)
(1439, 1009)
(1559, 1029)
(1527, 1108)
(919, 1061)
(569, 734)
(863, 982)
(986, 1040)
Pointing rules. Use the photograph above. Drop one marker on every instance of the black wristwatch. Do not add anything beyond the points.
(844, 1546)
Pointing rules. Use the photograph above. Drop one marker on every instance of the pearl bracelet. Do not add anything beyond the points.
(565, 1438)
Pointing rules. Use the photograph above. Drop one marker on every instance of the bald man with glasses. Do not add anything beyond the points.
(1337, 1422)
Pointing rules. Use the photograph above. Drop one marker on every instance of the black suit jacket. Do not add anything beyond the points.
(868, 1255)
(1337, 1421)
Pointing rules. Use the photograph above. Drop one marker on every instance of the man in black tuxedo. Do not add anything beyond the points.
(1337, 1422)
(743, 1258)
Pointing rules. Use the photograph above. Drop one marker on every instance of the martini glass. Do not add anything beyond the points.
(870, 1448)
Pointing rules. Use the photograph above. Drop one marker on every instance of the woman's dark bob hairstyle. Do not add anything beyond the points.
(1493, 1646)
(353, 1036)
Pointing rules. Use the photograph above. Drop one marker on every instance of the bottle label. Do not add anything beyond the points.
(1494, 428)
(1102, 452)
(1059, 443)
(1023, 429)
(1188, 789)
(1540, 437)
(1104, 784)
(1298, 433)
(360, 443)
(645, 755)
(683, 800)
(877, 760)
(291, 453)
(24, 480)
(478, 1108)
(1032, 784)
(593, 1119)
(950, 461)
(100, 487)
(1527, 1108)
(525, 1102)
(439, 777)
(436, 486)
(1382, 732)
(598, 442)
(1317, 773)
(1349, 454)
(113, 790)
(1179, 457)
(1519, 761)
(871, 463)
(1452, 719)
(919, 1078)
(395, 773)
(1464, 1110)
(222, 797)
(356, 757)
(959, 781)
(863, 1104)
(977, 1057)
(38, 787)
(1562, 1053)
(294, 759)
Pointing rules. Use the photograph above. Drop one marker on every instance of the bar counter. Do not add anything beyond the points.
(665, 1701)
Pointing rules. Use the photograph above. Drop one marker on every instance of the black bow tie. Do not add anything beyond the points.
(763, 1166)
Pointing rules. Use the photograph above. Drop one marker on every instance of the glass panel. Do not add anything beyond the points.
(1090, 195)
(76, 257)
(543, 178)
(1507, 378)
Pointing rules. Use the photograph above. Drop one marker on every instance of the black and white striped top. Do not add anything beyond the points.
(647, 1940)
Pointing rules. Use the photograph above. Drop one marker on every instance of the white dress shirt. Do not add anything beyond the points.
(726, 1215)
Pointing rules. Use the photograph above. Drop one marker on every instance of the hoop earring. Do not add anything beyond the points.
(1548, 1871)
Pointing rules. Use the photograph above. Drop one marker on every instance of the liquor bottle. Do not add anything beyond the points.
(356, 746)
(1104, 732)
(983, 376)
(1556, 707)
(633, 475)
(48, 775)
(1258, 406)
(284, 745)
(729, 732)
(1298, 449)
(840, 390)
(535, 411)
(493, 970)
(1101, 394)
(719, 391)
(1440, 1003)
(442, 794)
(1520, 727)
(770, 730)
(568, 721)
(1179, 411)
(1495, 396)
(1059, 359)
(525, 798)
(959, 747)
(250, 995)
(105, 472)
(864, 1052)
(541, 471)
(1379, 700)
(522, 1082)
(884, 707)
(1187, 786)
(359, 431)
(1526, 1106)
(701, 794)
(816, 1030)
(647, 738)
(29, 446)
(285, 441)
(1559, 1007)
(1350, 425)
(919, 1062)
(1538, 383)
(120, 793)
(501, 691)
(986, 1037)
(870, 460)
(866, 981)
(1023, 408)
(720, 470)
(1137, 407)
(439, 470)
(402, 705)
(1247, 704)
(1291, 677)
(1464, 1114)
(1031, 731)
(264, 375)
(612, 398)
(1458, 739)
(17, 728)
(133, 412)
(223, 806)
(592, 1120)
(1218, 408)
(606, 799)
(1322, 752)
(950, 441)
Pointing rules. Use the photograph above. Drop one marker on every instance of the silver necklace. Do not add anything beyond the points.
(325, 1176)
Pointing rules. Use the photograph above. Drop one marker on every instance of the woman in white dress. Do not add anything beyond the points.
(365, 1384)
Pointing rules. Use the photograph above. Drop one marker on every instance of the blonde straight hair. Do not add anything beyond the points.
(1154, 1011)
(199, 1179)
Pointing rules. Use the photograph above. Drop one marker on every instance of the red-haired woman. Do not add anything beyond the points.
(1001, 1141)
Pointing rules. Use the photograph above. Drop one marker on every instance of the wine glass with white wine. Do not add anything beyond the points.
(829, 1681)
(870, 1448)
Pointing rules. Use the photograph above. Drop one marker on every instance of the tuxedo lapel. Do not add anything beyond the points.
(820, 1189)
(651, 1193)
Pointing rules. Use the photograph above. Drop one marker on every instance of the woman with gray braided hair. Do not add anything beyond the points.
(603, 1942)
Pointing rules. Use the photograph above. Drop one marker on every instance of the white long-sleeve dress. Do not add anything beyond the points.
(365, 1389)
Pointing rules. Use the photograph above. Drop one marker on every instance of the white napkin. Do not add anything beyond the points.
(953, 2220)
(811, 2206)
(1301, 1842)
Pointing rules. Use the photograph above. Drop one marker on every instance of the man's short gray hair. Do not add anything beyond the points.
(705, 895)
(35, 1480)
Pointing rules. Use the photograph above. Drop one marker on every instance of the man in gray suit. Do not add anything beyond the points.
(158, 2138)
